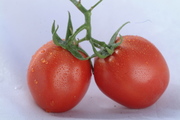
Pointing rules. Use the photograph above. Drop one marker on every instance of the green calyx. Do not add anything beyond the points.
(106, 49)
(71, 43)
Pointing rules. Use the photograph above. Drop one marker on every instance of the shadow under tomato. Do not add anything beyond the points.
(106, 109)
(100, 107)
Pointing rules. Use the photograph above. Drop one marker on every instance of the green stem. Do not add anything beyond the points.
(87, 24)
(79, 6)
(71, 44)
(81, 40)
(81, 28)
(95, 5)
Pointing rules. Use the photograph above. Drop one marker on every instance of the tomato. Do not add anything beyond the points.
(135, 75)
(57, 80)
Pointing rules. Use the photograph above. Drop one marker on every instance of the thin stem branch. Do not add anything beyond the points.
(95, 5)
(81, 40)
(79, 6)
(81, 28)
(87, 24)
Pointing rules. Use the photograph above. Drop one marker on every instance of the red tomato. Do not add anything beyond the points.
(57, 80)
(135, 75)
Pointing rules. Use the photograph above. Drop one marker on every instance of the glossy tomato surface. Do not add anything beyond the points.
(135, 75)
(57, 80)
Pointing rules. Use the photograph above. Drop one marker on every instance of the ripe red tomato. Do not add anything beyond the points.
(57, 80)
(135, 75)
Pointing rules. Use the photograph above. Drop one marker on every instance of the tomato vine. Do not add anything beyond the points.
(71, 43)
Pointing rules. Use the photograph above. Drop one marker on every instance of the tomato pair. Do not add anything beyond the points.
(129, 69)
(135, 75)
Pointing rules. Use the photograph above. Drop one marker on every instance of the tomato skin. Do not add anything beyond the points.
(56, 79)
(135, 75)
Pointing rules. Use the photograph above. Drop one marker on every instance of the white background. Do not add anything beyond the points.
(25, 26)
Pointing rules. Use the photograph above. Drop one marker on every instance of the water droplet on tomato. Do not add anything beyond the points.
(111, 59)
(116, 51)
(43, 51)
(44, 61)
(35, 82)
(32, 69)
